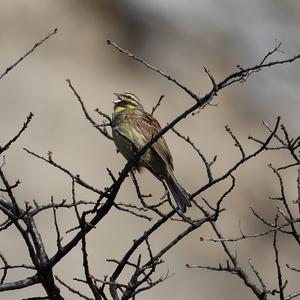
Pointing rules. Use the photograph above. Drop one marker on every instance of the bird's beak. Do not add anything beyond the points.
(118, 99)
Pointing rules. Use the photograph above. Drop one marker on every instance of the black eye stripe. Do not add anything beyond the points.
(130, 99)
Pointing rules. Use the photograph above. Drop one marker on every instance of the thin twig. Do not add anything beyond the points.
(188, 91)
(206, 163)
(86, 114)
(8, 144)
(58, 237)
(157, 104)
(28, 53)
(76, 292)
(247, 236)
(278, 267)
(5, 268)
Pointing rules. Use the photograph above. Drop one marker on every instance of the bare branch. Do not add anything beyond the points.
(76, 178)
(286, 205)
(263, 285)
(123, 207)
(86, 114)
(88, 277)
(157, 104)
(188, 91)
(137, 243)
(4, 268)
(270, 53)
(247, 236)
(72, 290)
(237, 143)
(240, 162)
(293, 268)
(143, 268)
(8, 144)
(141, 197)
(28, 53)
(16, 285)
(215, 86)
(58, 237)
(293, 295)
(279, 274)
(206, 163)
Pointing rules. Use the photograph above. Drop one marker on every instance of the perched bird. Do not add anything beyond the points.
(132, 128)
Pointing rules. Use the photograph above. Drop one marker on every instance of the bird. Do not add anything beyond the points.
(133, 128)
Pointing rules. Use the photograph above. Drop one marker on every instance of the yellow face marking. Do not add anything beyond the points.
(119, 109)
(123, 107)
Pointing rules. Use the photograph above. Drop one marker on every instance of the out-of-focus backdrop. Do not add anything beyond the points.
(180, 37)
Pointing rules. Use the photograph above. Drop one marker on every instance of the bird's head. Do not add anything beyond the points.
(126, 101)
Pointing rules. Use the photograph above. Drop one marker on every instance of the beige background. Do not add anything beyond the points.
(180, 37)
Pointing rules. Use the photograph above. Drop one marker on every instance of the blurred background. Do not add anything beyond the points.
(179, 37)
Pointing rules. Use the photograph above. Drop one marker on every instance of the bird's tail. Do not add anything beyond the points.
(179, 193)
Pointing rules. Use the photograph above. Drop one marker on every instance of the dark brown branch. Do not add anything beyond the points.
(12, 186)
(215, 87)
(92, 286)
(247, 236)
(157, 104)
(58, 236)
(293, 268)
(23, 266)
(72, 290)
(16, 285)
(234, 267)
(106, 116)
(107, 197)
(270, 53)
(188, 91)
(137, 243)
(195, 224)
(141, 197)
(286, 205)
(5, 268)
(236, 141)
(238, 76)
(37, 298)
(279, 274)
(39, 208)
(75, 203)
(86, 114)
(123, 207)
(240, 162)
(28, 53)
(152, 284)
(15, 209)
(8, 144)
(203, 158)
(33, 240)
(258, 276)
(76, 178)
(298, 189)
(293, 295)
(261, 218)
(115, 187)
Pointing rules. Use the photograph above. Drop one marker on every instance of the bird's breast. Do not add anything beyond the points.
(124, 145)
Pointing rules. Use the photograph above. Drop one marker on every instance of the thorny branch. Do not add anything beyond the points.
(145, 267)
(36, 45)
(8, 144)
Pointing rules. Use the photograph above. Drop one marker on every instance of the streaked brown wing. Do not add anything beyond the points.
(149, 126)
